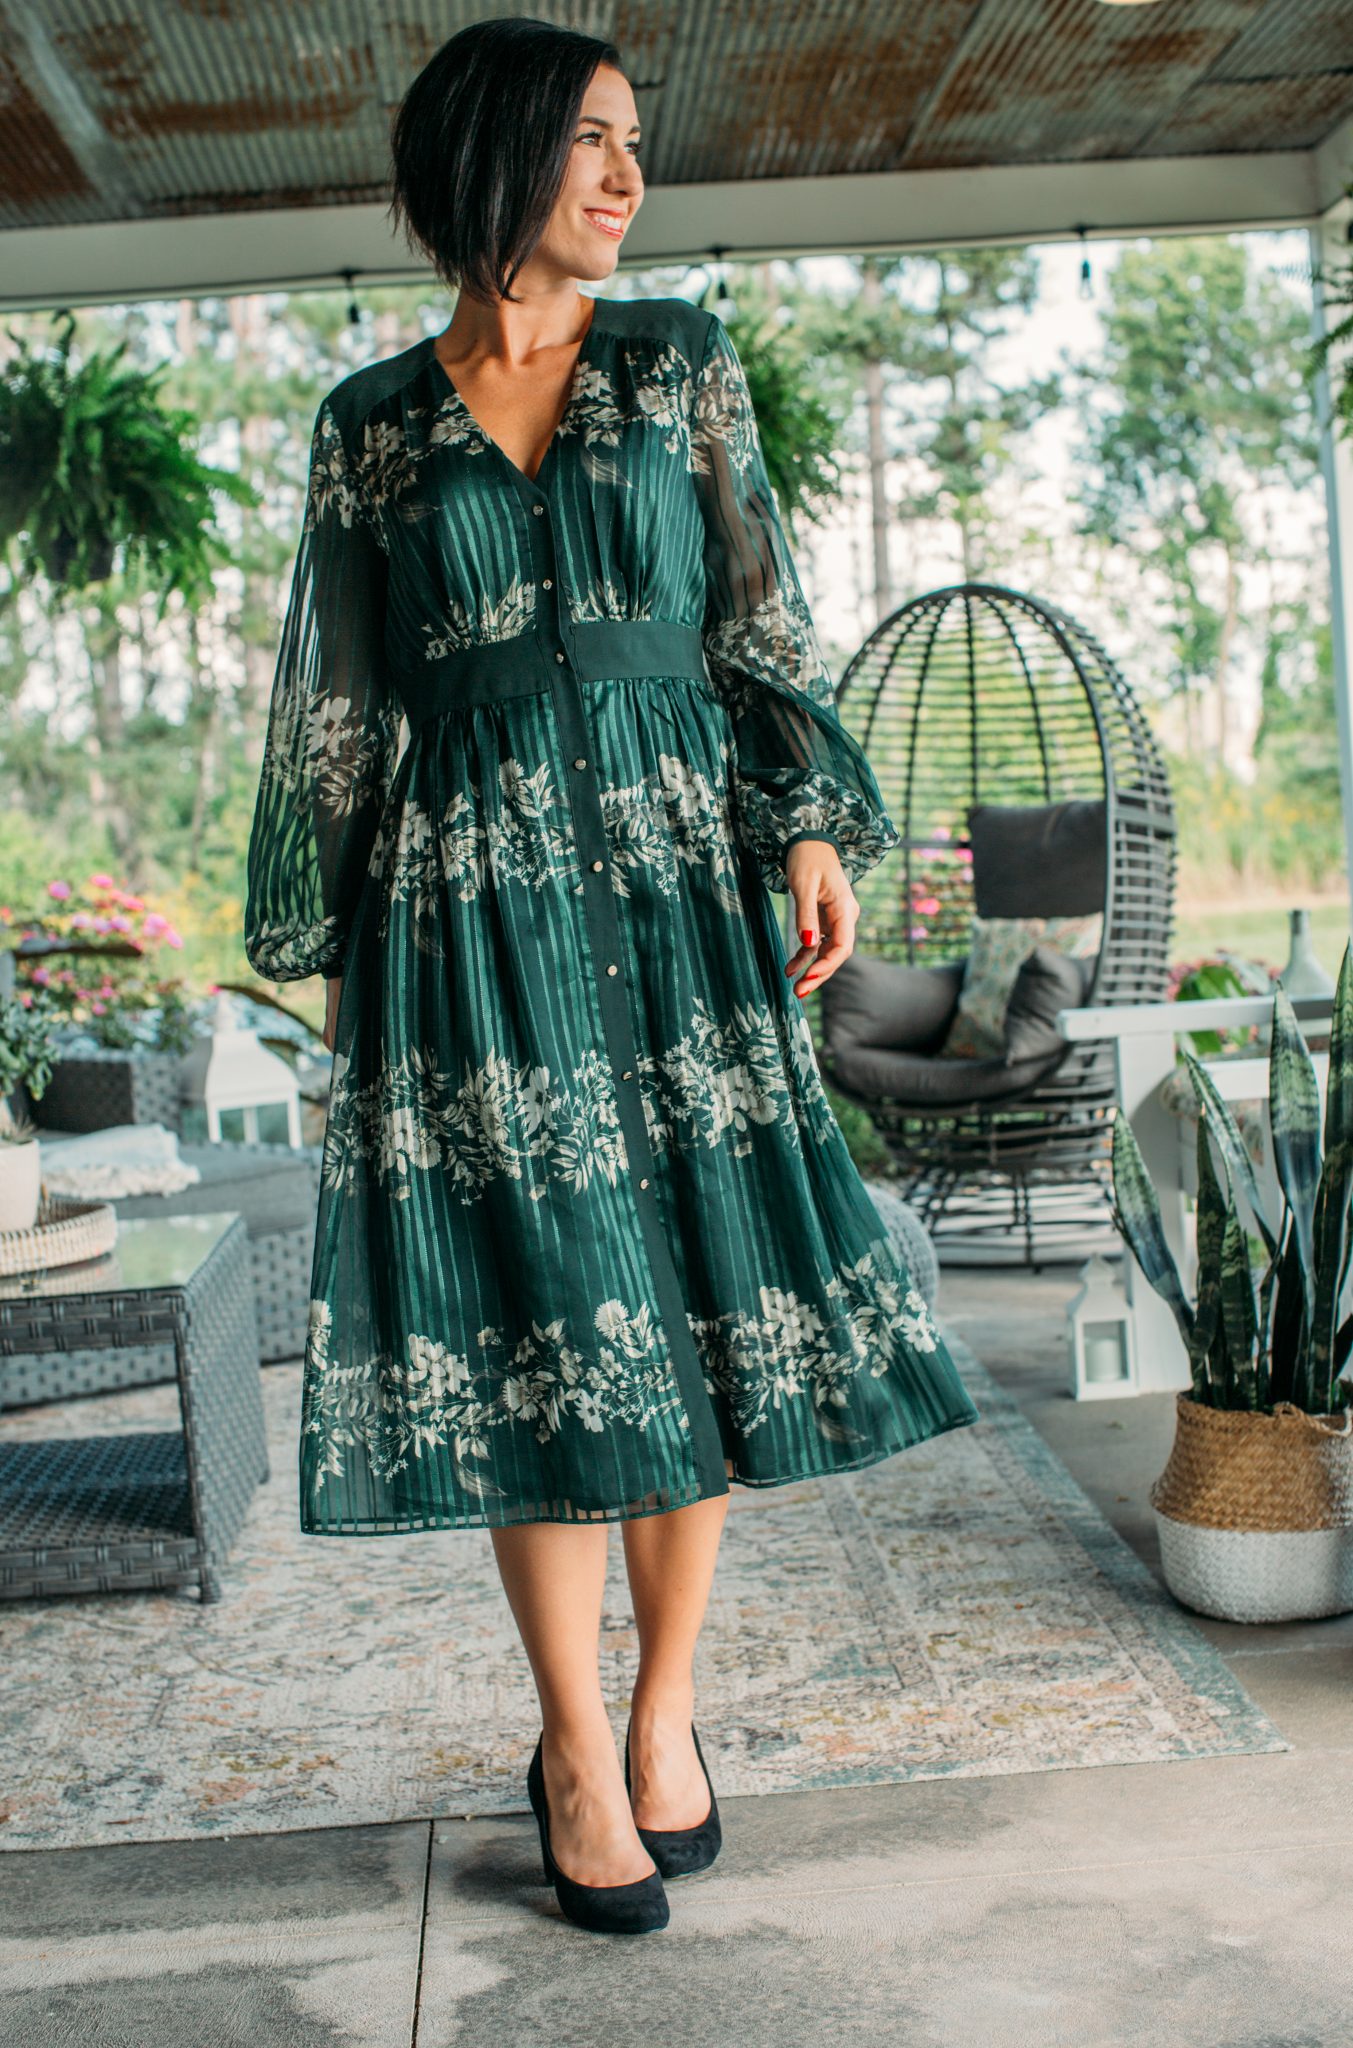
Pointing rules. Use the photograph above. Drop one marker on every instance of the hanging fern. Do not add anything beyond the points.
(91, 462)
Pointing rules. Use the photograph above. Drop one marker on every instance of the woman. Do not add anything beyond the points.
(590, 1243)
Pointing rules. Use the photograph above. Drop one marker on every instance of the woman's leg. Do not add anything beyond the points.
(670, 1560)
(553, 1574)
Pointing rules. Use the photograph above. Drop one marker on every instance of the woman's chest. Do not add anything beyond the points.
(457, 515)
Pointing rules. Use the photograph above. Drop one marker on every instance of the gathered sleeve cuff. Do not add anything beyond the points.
(333, 731)
(798, 773)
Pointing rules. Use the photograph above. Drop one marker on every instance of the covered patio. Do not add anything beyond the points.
(1011, 1792)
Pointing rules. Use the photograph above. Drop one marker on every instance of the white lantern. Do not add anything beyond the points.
(233, 1088)
(1099, 1333)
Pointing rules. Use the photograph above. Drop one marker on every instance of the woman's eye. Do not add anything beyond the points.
(595, 135)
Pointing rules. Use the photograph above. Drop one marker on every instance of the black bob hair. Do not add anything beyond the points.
(480, 146)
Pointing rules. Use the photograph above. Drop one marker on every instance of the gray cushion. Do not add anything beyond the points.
(869, 1001)
(1044, 860)
(271, 1186)
(1048, 981)
(875, 1073)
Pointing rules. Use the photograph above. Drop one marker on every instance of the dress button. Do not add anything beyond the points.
(559, 656)
(628, 1074)
(546, 584)
(597, 866)
(613, 969)
(537, 508)
(580, 761)
(643, 1180)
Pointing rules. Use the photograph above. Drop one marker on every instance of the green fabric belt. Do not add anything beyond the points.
(594, 650)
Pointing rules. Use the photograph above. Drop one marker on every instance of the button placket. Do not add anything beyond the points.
(555, 632)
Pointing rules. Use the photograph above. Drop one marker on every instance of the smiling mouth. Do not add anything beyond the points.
(611, 224)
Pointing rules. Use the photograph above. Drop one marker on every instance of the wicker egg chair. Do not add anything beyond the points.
(1025, 781)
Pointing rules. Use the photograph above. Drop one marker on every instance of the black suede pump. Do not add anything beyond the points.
(638, 1908)
(680, 1852)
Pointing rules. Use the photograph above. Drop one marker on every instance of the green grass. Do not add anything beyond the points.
(1260, 930)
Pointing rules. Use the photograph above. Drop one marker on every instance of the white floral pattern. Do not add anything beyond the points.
(504, 620)
(435, 1398)
(816, 806)
(797, 770)
(719, 1082)
(723, 1079)
(660, 378)
(812, 1350)
(495, 1120)
(673, 818)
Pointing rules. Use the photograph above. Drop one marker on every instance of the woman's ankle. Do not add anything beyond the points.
(665, 1702)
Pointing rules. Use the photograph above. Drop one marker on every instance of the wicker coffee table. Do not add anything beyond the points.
(150, 1508)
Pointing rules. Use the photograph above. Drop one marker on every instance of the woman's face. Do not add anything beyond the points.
(603, 187)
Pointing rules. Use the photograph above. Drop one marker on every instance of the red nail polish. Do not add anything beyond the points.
(807, 936)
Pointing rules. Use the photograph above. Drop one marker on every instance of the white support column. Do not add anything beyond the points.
(1330, 250)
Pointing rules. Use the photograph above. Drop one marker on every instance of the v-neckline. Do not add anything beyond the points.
(459, 404)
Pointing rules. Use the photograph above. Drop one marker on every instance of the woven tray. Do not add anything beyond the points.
(66, 1230)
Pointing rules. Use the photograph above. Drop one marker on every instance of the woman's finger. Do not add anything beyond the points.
(842, 914)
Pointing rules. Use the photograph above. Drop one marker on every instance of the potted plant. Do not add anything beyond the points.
(91, 949)
(27, 1051)
(1255, 1506)
(92, 460)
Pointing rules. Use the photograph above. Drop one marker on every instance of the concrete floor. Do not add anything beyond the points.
(1182, 1905)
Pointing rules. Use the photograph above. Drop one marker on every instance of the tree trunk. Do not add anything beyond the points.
(1224, 645)
(207, 701)
(109, 755)
(877, 448)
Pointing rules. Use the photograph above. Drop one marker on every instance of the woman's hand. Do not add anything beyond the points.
(818, 884)
(333, 990)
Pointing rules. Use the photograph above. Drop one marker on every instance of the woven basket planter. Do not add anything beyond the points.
(91, 1091)
(1255, 1512)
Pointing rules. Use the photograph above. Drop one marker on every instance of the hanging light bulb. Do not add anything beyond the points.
(354, 310)
(724, 304)
(1087, 290)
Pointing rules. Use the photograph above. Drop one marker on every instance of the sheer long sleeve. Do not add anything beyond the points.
(333, 731)
(799, 773)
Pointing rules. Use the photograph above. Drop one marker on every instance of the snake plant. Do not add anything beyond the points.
(1265, 1324)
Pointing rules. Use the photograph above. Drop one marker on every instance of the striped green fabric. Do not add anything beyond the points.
(589, 1235)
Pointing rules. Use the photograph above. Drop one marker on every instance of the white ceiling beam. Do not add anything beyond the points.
(1333, 166)
(291, 249)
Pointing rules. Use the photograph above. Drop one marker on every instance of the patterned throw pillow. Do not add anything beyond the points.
(997, 949)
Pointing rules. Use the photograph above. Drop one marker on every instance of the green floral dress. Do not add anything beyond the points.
(587, 1226)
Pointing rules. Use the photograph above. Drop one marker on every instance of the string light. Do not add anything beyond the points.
(725, 305)
(1087, 290)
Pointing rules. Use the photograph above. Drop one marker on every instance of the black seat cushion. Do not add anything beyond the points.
(883, 1025)
(869, 1001)
(876, 1073)
(1048, 981)
(1040, 860)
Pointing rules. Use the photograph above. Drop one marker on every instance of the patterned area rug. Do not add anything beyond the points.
(961, 1610)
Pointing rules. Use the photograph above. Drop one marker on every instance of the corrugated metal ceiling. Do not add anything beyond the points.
(218, 106)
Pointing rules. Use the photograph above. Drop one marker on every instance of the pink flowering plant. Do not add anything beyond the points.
(99, 969)
(939, 905)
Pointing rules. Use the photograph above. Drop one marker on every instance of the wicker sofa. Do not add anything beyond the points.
(276, 1189)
